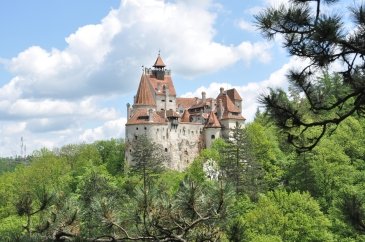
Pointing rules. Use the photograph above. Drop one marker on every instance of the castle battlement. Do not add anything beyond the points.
(182, 126)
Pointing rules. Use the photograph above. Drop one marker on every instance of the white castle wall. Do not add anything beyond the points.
(210, 135)
(182, 143)
(163, 103)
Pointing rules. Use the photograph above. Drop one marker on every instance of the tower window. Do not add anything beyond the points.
(145, 128)
(165, 149)
(213, 136)
(170, 101)
(137, 128)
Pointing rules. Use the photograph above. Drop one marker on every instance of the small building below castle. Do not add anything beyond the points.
(182, 126)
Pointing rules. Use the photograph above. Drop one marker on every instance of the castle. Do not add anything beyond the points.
(182, 126)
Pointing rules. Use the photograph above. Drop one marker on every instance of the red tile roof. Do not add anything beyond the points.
(234, 95)
(185, 117)
(232, 116)
(157, 84)
(159, 63)
(172, 113)
(144, 95)
(186, 102)
(212, 121)
(228, 104)
(141, 116)
(230, 110)
(201, 104)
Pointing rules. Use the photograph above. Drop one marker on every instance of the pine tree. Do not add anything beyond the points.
(238, 165)
(322, 40)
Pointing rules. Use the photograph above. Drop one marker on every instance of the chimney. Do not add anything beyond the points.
(150, 119)
(128, 111)
(220, 108)
(221, 90)
(203, 97)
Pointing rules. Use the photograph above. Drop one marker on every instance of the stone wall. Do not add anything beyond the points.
(182, 143)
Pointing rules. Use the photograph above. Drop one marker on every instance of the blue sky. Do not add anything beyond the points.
(68, 68)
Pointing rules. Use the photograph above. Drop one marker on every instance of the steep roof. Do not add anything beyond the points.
(158, 84)
(144, 95)
(230, 110)
(201, 104)
(141, 116)
(185, 117)
(212, 121)
(172, 114)
(234, 95)
(186, 102)
(159, 62)
(227, 103)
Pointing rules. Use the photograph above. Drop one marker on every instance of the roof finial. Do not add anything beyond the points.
(159, 51)
(143, 69)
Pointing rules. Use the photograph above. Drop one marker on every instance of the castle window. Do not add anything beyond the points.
(137, 128)
(170, 101)
(213, 136)
(162, 100)
(135, 137)
(165, 149)
(145, 128)
(130, 150)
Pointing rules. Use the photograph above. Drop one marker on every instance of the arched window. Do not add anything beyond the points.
(213, 136)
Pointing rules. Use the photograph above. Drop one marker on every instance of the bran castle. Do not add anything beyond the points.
(182, 126)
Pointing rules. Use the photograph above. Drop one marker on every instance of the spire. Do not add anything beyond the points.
(212, 121)
(185, 117)
(144, 94)
(159, 63)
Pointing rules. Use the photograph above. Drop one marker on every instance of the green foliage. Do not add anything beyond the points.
(81, 192)
(323, 97)
(148, 157)
(287, 217)
(239, 166)
(265, 148)
(112, 154)
(7, 164)
(11, 226)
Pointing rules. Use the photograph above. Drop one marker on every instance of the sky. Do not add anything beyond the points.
(68, 68)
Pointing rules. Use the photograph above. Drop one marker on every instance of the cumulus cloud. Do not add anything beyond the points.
(54, 95)
(110, 129)
(105, 58)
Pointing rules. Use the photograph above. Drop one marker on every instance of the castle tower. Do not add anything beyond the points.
(182, 126)
(212, 129)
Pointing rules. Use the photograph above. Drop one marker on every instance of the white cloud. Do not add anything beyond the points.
(247, 26)
(54, 97)
(104, 58)
(110, 129)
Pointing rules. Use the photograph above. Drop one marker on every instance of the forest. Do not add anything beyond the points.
(253, 187)
(295, 173)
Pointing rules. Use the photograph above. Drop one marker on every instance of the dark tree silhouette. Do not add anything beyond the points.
(322, 40)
